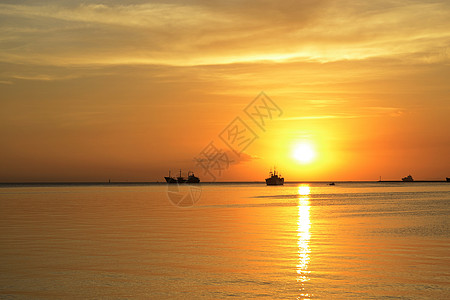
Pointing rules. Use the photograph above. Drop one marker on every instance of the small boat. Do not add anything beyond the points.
(408, 178)
(274, 178)
(331, 183)
(448, 179)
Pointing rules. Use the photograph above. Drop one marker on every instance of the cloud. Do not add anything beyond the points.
(220, 32)
(320, 117)
(356, 112)
(390, 111)
(41, 77)
(224, 157)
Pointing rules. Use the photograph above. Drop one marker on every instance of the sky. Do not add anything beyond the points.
(128, 90)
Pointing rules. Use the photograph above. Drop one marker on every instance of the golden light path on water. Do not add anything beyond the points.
(303, 234)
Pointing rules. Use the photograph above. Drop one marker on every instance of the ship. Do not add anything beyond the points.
(448, 179)
(180, 179)
(408, 178)
(274, 178)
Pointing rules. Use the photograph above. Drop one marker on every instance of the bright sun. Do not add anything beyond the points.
(304, 153)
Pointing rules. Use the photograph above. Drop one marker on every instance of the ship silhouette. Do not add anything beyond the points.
(274, 178)
(180, 179)
(408, 178)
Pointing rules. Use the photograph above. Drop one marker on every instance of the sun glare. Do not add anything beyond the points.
(304, 190)
(304, 153)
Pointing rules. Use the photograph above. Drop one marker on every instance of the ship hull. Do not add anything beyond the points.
(407, 178)
(170, 180)
(275, 181)
(180, 179)
(193, 179)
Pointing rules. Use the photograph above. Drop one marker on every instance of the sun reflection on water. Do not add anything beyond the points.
(303, 234)
(304, 190)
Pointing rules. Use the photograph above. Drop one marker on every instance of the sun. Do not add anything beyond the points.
(304, 153)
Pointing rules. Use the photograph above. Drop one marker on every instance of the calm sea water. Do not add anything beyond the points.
(298, 241)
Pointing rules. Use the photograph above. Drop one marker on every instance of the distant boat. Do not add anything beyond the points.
(448, 179)
(274, 178)
(408, 178)
(331, 183)
(180, 179)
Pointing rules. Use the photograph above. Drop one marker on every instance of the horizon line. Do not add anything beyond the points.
(204, 182)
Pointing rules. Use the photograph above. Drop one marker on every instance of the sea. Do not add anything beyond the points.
(353, 240)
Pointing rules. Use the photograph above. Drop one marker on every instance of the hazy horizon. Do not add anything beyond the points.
(326, 182)
(127, 90)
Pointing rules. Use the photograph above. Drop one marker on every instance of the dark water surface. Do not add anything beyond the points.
(298, 241)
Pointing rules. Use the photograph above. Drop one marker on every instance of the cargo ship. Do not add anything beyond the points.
(180, 179)
(408, 178)
(274, 178)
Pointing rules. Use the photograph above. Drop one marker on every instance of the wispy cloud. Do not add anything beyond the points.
(41, 77)
(357, 112)
(205, 33)
(317, 117)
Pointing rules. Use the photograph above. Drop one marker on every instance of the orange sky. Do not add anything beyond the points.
(127, 90)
